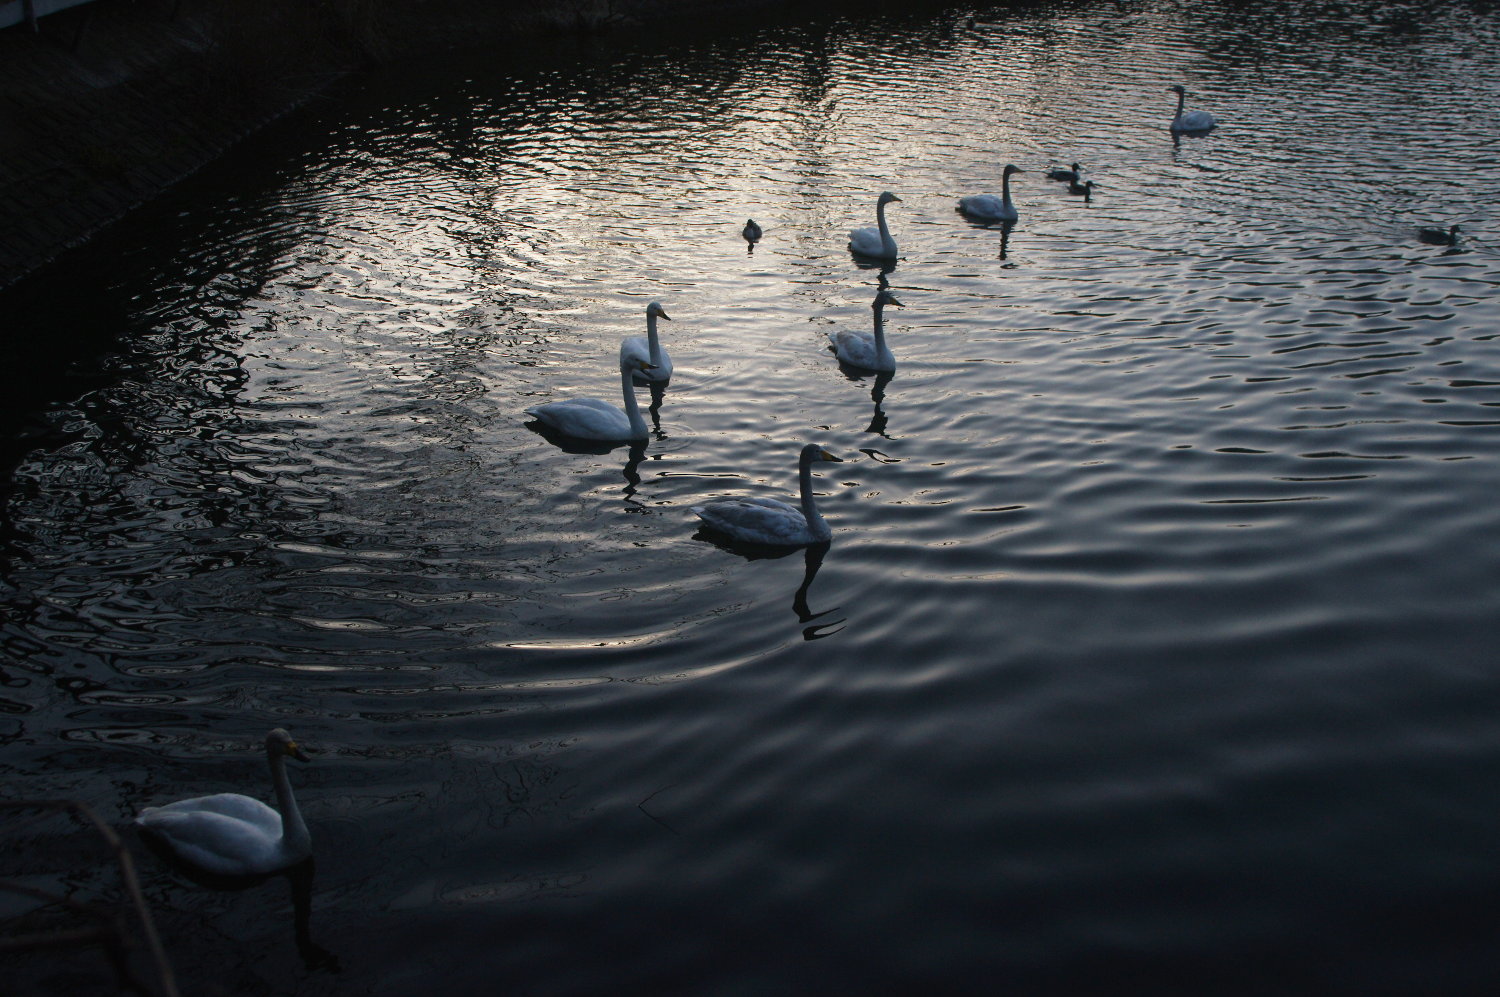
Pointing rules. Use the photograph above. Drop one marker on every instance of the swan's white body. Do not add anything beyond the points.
(649, 349)
(751, 231)
(592, 419)
(989, 207)
(1192, 121)
(876, 242)
(233, 835)
(867, 349)
(769, 522)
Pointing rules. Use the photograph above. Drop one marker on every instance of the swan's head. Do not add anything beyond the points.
(280, 743)
(655, 310)
(815, 451)
(888, 198)
(1012, 168)
(886, 298)
(1177, 89)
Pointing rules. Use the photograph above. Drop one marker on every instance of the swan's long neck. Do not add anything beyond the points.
(881, 350)
(654, 342)
(627, 389)
(815, 522)
(1005, 187)
(1181, 100)
(294, 836)
(886, 242)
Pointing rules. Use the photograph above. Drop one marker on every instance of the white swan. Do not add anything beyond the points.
(233, 835)
(767, 521)
(1193, 121)
(876, 242)
(751, 231)
(990, 208)
(649, 349)
(864, 349)
(592, 419)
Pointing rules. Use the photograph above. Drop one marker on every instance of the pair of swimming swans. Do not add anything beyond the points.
(772, 523)
(642, 358)
(878, 243)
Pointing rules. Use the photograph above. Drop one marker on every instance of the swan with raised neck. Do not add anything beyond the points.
(876, 242)
(867, 350)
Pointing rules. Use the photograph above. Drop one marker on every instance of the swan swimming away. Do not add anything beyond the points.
(876, 242)
(1193, 121)
(592, 419)
(864, 349)
(752, 232)
(1073, 174)
(769, 522)
(649, 349)
(233, 835)
(1439, 237)
(988, 207)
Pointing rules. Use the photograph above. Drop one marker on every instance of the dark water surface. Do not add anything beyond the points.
(1156, 643)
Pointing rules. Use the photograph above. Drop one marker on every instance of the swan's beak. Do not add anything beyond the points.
(665, 316)
(825, 455)
(890, 299)
(296, 752)
(645, 365)
(895, 199)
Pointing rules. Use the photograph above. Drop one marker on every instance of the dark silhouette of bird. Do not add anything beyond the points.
(1439, 237)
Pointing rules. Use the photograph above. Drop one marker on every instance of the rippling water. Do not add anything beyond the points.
(1155, 645)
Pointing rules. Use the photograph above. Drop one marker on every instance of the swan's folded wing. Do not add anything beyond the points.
(233, 805)
(853, 347)
(586, 418)
(217, 842)
(865, 240)
(756, 520)
(597, 404)
(980, 204)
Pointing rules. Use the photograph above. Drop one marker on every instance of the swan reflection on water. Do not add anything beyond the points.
(878, 418)
(1004, 227)
(632, 475)
(813, 555)
(299, 879)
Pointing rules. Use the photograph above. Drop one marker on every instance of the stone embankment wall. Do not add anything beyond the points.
(116, 100)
